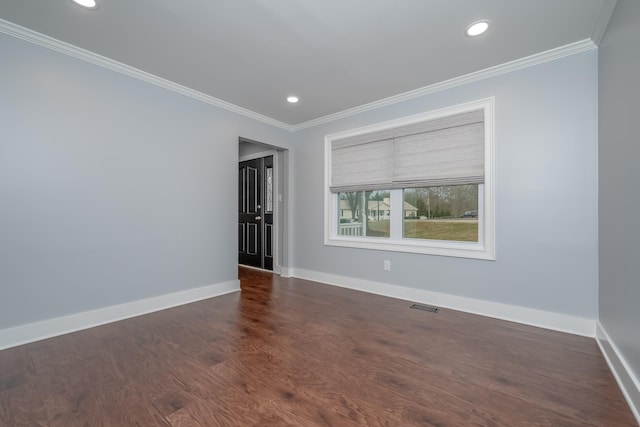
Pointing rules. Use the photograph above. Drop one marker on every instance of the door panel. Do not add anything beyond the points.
(255, 212)
(253, 190)
(249, 219)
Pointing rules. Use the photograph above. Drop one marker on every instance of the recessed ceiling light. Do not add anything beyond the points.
(293, 99)
(477, 28)
(89, 4)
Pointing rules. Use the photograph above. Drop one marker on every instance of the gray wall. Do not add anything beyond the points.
(115, 190)
(619, 202)
(547, 219)
(111, 189)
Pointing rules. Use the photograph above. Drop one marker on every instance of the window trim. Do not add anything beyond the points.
(485, 247)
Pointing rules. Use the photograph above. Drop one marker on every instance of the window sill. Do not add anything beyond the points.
(431, 247)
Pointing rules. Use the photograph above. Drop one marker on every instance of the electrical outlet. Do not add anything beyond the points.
(387, 265)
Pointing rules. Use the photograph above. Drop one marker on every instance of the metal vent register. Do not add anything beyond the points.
(429, 308)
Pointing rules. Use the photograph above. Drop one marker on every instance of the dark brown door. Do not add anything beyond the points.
(255, 213)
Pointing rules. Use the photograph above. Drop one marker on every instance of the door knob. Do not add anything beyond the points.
(258, 218)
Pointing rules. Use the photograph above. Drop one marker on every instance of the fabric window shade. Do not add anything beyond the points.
(447, 122)
(362, 167)
(439, 152)
(452, 156)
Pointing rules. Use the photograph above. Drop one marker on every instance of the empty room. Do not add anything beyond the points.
(319, 213)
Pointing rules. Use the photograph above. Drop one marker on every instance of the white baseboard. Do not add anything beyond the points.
(24, 334)
(528, 316)
(628, 382)
(286, 272)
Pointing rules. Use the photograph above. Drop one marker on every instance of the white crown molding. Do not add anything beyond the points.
(31, 332)
(93, 58)
(513, 313)
(604, 16)
(518, 64)
(109, 64)
(627, 381)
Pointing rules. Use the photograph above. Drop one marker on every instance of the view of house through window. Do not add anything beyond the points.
(354, 221)
(435, 213)
(442, 213)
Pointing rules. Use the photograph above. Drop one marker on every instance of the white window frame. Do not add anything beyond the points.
(483, 249)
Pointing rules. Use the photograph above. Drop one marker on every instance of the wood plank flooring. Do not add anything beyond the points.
(288, 352)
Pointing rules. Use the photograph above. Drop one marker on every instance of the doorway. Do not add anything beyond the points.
(264, 242)
(256, 205)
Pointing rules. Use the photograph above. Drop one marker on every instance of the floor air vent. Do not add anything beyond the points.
(429, 308)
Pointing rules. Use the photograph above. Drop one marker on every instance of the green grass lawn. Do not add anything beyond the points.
(462, 231)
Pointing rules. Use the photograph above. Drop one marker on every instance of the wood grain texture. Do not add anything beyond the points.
(288, 352)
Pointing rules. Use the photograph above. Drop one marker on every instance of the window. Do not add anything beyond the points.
(420, 184)
(441, 213)
(354, 222)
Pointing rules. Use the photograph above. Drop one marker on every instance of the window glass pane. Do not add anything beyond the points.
(364, 213)
(269, 190)
(441, 213)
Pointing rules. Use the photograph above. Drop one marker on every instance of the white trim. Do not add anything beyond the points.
(624, 375)
(484, 249)
(518, 64)
(275, 236)
(277, 223)
(513, 313)
(110, 64)
(604, 16)
(24, 334)
(430, 247)
(104, 62)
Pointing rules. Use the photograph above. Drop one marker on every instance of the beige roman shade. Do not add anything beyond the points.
(438, 152)
(363, 162)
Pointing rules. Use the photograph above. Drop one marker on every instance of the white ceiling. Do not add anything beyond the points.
(334, 54)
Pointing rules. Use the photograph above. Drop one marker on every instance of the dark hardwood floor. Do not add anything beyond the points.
(287, 352)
